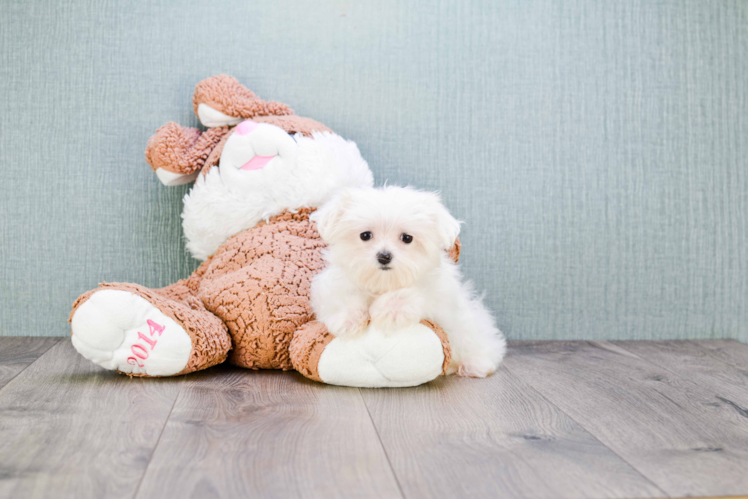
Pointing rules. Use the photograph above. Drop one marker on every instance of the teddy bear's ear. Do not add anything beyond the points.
(328, 216)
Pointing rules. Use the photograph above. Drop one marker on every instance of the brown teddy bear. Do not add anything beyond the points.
(259, 171)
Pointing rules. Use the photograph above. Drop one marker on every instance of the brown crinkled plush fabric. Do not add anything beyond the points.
(306, 348)
(210, 339)
(258, 284)
(224, 93)
(178, 291)
(215, 156)
(444, 340)
(182, 150)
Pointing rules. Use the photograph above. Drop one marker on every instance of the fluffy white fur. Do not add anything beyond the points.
(304, 173)
(420, 282)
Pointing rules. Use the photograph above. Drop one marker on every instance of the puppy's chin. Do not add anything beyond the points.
(377, 279)
(381, 279)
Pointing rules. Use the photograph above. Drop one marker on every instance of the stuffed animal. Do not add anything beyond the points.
(259, 171)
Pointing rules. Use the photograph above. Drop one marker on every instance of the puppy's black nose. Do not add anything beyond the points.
(384, 258)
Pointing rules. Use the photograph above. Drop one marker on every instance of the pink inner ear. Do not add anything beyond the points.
(257, 162)
(245, 127)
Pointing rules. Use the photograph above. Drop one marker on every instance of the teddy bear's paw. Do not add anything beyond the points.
(381, 358)
(211, 117)
(477, 367)
(122, 331)
(225, 95)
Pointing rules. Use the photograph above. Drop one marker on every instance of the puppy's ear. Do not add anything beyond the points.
(447, 227)
(329, 215)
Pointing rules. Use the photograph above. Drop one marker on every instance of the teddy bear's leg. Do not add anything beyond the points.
(263, 304)
(411, 356)
(177, 153)
(221, 100)
(144, 332)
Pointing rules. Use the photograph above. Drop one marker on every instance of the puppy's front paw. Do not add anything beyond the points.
(397, 309)
(349, 323)
(477, 367)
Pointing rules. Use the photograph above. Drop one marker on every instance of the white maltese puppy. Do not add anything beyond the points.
(388, 264)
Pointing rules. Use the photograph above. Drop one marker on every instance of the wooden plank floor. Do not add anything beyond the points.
(559, 419)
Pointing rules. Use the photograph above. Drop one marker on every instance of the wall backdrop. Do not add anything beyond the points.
(597, 151)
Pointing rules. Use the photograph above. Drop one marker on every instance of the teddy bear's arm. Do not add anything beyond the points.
(221, 100)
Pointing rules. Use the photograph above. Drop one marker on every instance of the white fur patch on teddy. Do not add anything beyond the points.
(211, 117)
(405, 357)
(174, 179)
(119, 330)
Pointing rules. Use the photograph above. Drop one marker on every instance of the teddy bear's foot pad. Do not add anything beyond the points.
(119, 330)
(377, 358)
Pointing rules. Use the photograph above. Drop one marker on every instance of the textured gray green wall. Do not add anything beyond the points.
(597, 151)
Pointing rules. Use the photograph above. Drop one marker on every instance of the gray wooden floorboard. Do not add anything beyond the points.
(496, 437)
(730, 352)
(691, 360)
(559, 419)
(71, 429)
(666, 426)
(240, 433)
(16, 353)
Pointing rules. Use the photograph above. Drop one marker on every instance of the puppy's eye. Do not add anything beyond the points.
(366, 235)
(406, 238)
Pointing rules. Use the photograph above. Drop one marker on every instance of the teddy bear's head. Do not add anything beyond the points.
(268, 160)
